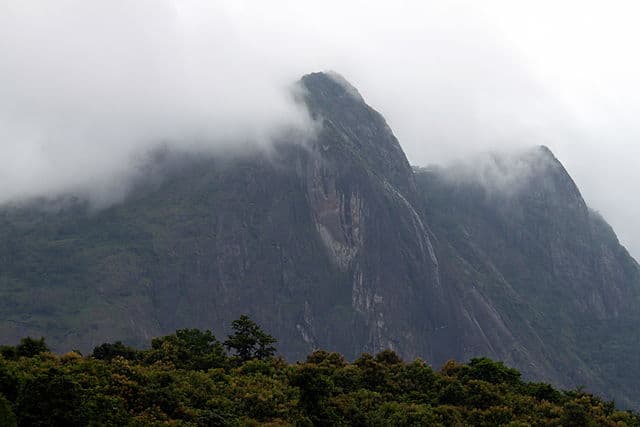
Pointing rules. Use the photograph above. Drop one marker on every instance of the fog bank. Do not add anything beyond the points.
(88, 87)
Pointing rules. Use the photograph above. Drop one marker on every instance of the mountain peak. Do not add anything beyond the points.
(330, 83)
(543, 149)
(351, 129)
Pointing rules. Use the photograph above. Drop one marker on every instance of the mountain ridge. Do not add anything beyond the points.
(339, 244)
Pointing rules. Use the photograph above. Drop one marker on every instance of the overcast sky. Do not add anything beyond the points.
(87, 86)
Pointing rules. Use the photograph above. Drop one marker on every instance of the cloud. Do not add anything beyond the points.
(87, 87)
(503, 174)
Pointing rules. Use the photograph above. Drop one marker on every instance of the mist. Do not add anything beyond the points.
(87, 88)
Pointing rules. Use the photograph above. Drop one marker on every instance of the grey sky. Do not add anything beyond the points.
(85, 86)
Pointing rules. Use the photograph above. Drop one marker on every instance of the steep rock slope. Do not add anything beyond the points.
(322, 244)
(396, 279)
(541, 255)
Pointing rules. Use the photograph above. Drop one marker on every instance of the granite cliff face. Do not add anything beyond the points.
(552, 267)
(338, 244)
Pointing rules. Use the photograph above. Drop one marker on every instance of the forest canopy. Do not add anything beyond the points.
(190, 378)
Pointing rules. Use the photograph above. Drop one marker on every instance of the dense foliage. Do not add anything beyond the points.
(188, 378)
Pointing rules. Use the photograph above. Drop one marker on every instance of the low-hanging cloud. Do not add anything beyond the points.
(502, 174)
(88, 87)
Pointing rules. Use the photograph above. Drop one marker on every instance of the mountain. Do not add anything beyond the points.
(517, 230)
(338, 244)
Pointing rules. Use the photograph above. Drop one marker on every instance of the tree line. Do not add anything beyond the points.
(190, 378)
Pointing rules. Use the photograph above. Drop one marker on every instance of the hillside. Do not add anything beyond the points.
(337, 244)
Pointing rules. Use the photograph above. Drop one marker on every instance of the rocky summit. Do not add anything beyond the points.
(338, 243)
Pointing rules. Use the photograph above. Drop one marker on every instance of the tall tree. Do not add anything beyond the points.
(249, 341)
